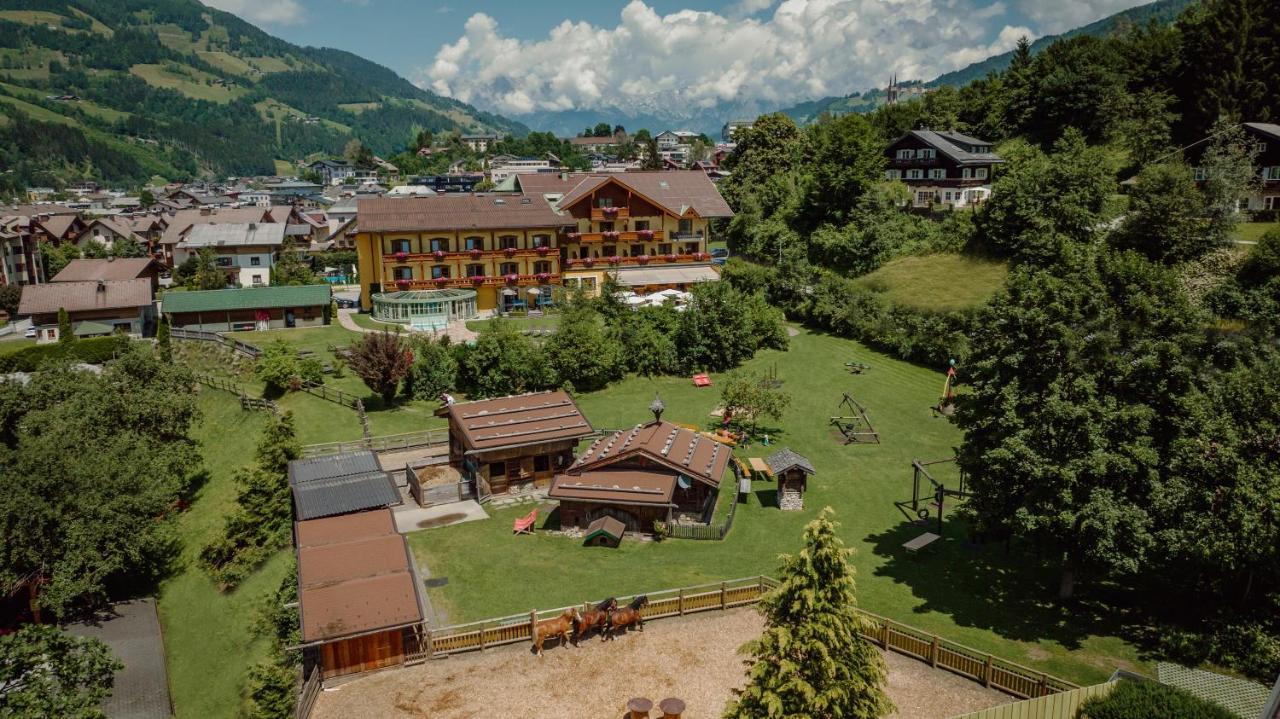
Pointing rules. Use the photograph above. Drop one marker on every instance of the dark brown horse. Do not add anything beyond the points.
(620, 619)
(597, 618)
(558, 627)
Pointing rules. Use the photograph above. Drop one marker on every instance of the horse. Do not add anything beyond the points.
(558, 627)
(620, 619)
(595, 619)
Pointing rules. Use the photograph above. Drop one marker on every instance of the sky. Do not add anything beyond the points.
(518, 57)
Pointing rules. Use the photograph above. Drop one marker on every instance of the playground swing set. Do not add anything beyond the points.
(927, 498)
(947, 405)
(854, 426)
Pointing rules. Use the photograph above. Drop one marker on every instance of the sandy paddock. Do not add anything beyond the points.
(692, 658)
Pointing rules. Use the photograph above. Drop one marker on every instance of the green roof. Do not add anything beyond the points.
(248, 298)
(87, 328)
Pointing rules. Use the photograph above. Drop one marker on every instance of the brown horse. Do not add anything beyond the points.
(620, 619)
(558, 627)
(597, 618)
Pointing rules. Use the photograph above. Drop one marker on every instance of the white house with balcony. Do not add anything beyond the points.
(245, 251)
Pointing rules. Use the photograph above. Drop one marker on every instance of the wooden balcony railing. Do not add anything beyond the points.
(617, 236)
(544, 278)
(606, 214)
(467, 255)
(659, 260)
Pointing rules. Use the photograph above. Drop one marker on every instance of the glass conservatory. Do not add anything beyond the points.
(428, 310)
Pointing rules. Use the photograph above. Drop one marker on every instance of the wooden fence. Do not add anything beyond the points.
(1014, 679)
(333, 394)
(1063, 705)
(703, 531)
(310, 691)
(234, 345)
(388, 443)
(246, 402)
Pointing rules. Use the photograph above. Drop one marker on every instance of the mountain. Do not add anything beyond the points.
(1162, 11)
(120, 90)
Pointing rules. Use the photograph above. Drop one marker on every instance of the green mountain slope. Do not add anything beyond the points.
(1162, 11)
(174, 88)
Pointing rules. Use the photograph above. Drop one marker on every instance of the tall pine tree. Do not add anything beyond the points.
(811, 662)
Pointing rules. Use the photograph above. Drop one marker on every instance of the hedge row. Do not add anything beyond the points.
(94, 350)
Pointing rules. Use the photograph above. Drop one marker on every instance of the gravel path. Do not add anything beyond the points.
(691, 658)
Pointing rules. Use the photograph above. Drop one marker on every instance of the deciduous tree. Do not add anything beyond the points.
(581, 352)
(45, 672)
(381, 359)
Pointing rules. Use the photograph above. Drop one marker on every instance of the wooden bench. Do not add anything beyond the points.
(759, 466)
(920, 542)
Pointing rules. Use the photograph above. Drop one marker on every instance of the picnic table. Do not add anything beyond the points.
(920, 542)
(759, 465)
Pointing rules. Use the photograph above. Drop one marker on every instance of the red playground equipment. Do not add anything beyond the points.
(701, 380)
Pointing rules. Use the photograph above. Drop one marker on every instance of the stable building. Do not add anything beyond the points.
(342, 483)
(358, 593)
(511, 444)
(658, 471)
(249, 308)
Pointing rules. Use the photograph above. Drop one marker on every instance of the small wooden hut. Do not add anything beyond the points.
(792, 471)
(605, 532)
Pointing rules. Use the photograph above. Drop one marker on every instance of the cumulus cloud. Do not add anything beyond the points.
(801, 50)
(1055, 16)
(278, 12)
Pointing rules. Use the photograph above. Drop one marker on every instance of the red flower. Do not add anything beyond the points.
(402, 284)
(475, 254)
(402, 256)
(544, 276)
(438, 254)
(441, 280)
(509, 251)
(589, 261)
(614, 259)
(646, 234)
(699, 256)
(478, 279)
(511, 279)
(611, 234)
(642, 259)
(610, 210)
(672, 258)
(543, 250)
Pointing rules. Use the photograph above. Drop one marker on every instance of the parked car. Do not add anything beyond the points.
(31, 332)
(344, 303)
(720, 253)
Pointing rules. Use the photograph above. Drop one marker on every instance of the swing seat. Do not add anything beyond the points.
(924, 540)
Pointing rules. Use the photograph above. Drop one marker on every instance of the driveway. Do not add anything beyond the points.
(132, 630)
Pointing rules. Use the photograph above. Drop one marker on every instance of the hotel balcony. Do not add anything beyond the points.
(547, 278)
(659, 260)
(442, 256)
(617, 236)
(609, 214)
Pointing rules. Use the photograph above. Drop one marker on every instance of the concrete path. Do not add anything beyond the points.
(412, 518)
(132, 630)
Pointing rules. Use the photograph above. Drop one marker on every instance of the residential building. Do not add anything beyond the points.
(245, 251)
(107, 230)
(502, 246)
(480, 143)
(942, 167)
(1265, 138)
(95, 308)
(504, 166)
(465, 182)
(648, 230)
(332, 172)
(669, 139)
(595, 144)
(512, 443)
(249, 308)
(112, 269)
(180, 222)
(732, 126)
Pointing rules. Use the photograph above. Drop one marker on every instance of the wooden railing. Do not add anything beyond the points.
(332, 394)
(606, 214)
(388, 443)
(657, 260)
(234, 345)
(991, 671)
(246, 402)
(310, 691)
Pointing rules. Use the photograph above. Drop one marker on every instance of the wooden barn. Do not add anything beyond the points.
(652, 472)
(358, 592)
(513, 443)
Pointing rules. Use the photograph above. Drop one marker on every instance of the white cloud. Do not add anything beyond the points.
(278, 12)
(744, 8)
(1055, 16)
(693, 59)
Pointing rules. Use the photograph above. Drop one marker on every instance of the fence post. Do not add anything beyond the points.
(482, 628)
(933, 652)
(533, 624)
(680, 602)
(986, 671)
(431, 645)
(722, 596)
(1044, 685)
(884, 633)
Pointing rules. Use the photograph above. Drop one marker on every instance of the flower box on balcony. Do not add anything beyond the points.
(645, 234)
(642, 259)
(440, 281)
(402, 284)
(588, 262)
(475, 254)
(611, 235)
(402, 256)
(438, 254)
(509, 251)
(614, 259)
(699, 256)
(610, 210)
(477, 279)
(672, 258)
(574, 235)
(544, 276)
(511, 279)
(543, 250)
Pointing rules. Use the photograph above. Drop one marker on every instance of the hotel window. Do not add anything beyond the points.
(604, 202)
(476, 270)
(439, 244)
(915, 174)
(507, 242)
(686, 227)
(966, 173)
(690, 248)
(906, 154)
(892, 174)
(403, 273)
(541, 267)
(439, 271)
(937, 174)
(981, 173)
(637, 250)
(608, 250)
(255, 261)
(642, 225)
(541, 241)
(474, 243)
(664, 249)
(606, 227)
(510, 268)
(400, 246)
(927, 154)
(922, 198)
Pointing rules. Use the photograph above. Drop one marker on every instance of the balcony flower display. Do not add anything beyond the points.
(645, 234)
(543, 250)
(672, 258)
(509, 251)
(610, 210)
(477, 279)
(574, 235)
(611, 235)
(699, 256)
(440, 281)
(402, 284)
(511, 278)
(588, 262)
(402, 256)
(614, 259)
(475, 253)
(570, 263)
(642, 259)
(438, 254)
(544, 276)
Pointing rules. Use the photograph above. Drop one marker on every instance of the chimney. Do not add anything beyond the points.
(671, 708)
(657, 407)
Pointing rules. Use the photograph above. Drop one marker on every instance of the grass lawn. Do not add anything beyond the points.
(191, 82)
(987, 597)
(546, 321)
(938, 282)
(13, 345)
(208, 640)
(1253, 231)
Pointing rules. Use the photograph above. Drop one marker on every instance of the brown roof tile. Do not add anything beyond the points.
(80, 296)
(618, 486)
(330, 530)
(675, 191)
(182, 220)
(687, 452)
(89, 270)
(517, 420)
(457, 212)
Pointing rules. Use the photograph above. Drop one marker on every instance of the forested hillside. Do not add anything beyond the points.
(133, 88)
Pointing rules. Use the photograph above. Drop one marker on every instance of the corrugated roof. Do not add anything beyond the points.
(451, 211)
(518, 420)
(247, 298)
(123, 268)
(785, 459)
(341, 495)
(238, 234)
(354, 576)
(675, 191)
(79, 296)
(680, 449)
(328, 466)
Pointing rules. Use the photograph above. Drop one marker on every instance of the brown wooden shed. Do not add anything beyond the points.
(792, 471)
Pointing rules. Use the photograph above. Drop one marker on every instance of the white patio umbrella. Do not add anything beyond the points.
(533, 291)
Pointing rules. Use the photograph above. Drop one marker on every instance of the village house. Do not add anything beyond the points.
(657, 471)
(480, 143)
(332, 172)
(180, 223)
(502, 247)
(245, 251)
(1265, 138)
(249, 308)
(648, 230)
(942, 167)
(511, 444)
(504, 166)
(106, 231)
(95, 308)
(112, 269)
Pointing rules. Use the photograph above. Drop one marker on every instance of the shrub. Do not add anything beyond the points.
(1148, 699)
(95, 350)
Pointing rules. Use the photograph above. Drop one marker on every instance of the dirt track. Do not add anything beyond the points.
(692, 658)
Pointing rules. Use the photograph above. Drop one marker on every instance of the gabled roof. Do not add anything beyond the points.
(118, 227)
(518, 420)
(245, 298)
(184, 220)
(457, 212)
(89, 270)
(238, 234)
(677, 448)
(785, 459)
(677, 191)
(80, 296)
(952, 144)
(1269, 129)
(58, 225)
